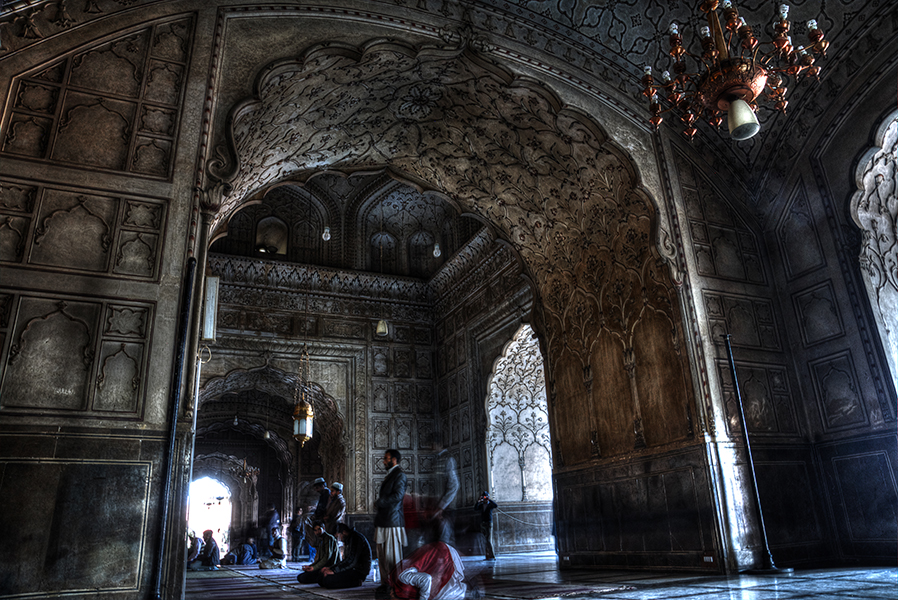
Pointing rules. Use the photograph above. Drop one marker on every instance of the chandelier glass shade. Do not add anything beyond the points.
(733, 72)
(303, 415)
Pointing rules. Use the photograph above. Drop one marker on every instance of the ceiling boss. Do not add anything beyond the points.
(733, 72)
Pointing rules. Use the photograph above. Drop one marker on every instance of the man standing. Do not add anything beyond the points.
(319, 487)
(447, 480)
(336, 509)
(271, 519)
(485, 507)
(297, 533)
(356, 564)
(389, 522)
(325, 556)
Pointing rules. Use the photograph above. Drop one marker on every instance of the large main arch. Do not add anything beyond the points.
(544, 175)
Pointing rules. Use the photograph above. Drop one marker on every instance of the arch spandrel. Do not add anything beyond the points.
(545, 176)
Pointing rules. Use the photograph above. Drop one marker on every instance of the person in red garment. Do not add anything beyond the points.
(432, 572)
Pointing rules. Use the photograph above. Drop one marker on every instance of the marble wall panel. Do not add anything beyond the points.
(860, 475)
(839, 397)
(46, 505)
(767, 399)
(798, 238)
(66, 230)
(611, 515)
(112, 105)
(818, 314)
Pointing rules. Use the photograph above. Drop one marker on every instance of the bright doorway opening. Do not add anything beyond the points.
(209, 507)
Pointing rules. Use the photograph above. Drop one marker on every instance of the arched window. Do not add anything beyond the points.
(874, 208)
(519, 450)
(421, 258)
(271, 236)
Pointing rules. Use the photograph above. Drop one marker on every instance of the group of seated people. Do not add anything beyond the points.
(433, 572)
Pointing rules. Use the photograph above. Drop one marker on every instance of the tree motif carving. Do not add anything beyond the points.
(874, 208)
(517, 410)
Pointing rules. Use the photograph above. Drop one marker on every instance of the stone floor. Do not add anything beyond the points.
(536, 577)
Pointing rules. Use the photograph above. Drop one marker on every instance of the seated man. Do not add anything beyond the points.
(356, 564)
(243, 554)
(193, 550)
(326, 556)
(432, 572)
(209, 557)
(278, 548)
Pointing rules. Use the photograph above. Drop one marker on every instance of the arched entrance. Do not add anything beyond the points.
(875, 210)
(545, 176)
(548, 181)
(244, 436)
(519, 450)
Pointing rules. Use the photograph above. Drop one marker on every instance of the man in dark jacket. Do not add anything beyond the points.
(320, 488)
(270, 520)
(209, 557)
(485, 507)
(356, 564)
(297, 533)
(389, 522)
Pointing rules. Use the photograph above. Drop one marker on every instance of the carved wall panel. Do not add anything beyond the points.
(798, 238)
(113, 105)
(749, 320)
(766, 398)
(724, 248)
(96, 351)
(874, 208)
(839, 396)
(52, 228)
(818, 314)
(39, 497)
(596, 229)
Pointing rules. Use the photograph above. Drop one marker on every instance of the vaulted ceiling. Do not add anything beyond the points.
(601, 45)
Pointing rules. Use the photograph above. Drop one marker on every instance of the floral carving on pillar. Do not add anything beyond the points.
(544, 175)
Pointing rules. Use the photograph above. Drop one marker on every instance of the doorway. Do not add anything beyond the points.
(209, 507)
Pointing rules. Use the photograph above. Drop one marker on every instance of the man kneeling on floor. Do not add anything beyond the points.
(353, 569)
(432, 572)
(326, 556)
(278, 549)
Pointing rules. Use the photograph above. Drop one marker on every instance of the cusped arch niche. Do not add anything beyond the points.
(506, 150)
(874, 208)
(279, 384)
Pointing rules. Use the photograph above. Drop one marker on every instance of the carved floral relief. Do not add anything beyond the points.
(545, 176)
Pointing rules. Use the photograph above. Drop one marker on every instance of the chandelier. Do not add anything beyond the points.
(246, 472)
(303, 416)
(734, 73)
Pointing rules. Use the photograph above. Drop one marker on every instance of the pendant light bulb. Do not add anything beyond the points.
(436, 250)
(235, 421)
(742, 120)
(382, 328)
(326, 236)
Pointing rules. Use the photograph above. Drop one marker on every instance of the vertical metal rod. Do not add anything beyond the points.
(176, 394)
(769, 566)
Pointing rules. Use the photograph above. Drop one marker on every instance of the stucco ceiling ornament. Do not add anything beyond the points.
(545, 175)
